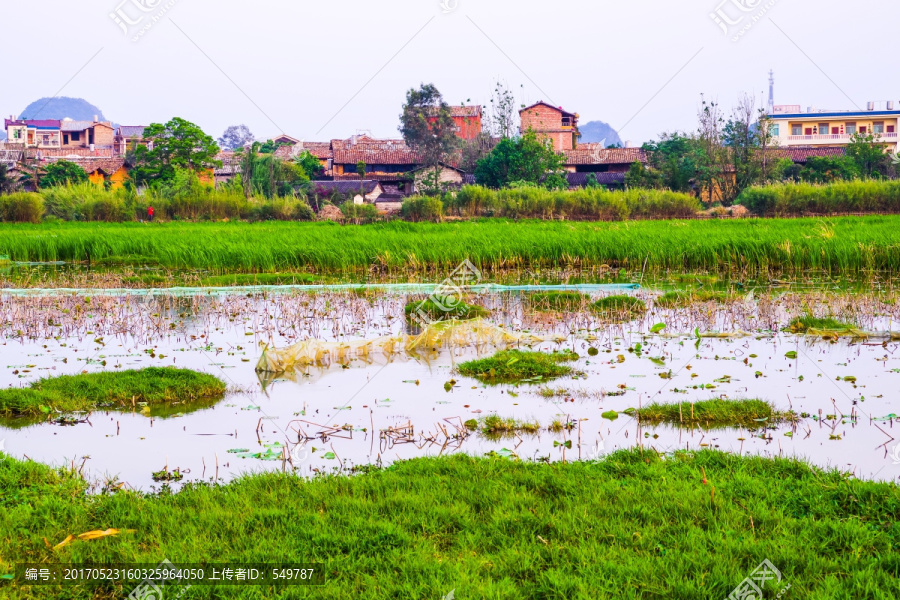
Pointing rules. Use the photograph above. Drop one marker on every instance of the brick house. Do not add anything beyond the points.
(467, 120)
(85, 134)
(386, 161)
(551, 123)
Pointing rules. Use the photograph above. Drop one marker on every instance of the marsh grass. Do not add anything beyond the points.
(442, 308)
(519, 366)
(619, 307)
(825, 326)
(114, 390)
(488, 528)
(683, 298)
(713, 413)
(497, 426)
(562, 301)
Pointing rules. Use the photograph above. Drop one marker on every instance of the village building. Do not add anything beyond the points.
(34, 133)
(467, 120)
(551, 123)
(790, 126)
(87, 134)
(364, 191)
(448, 178)
(127, 136)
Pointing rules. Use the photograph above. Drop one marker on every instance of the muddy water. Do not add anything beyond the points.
(379, 411)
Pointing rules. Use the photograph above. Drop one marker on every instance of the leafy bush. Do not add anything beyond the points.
(22, 207)
(359, 213)
(422, 208)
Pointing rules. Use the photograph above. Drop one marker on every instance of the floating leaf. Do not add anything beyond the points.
(792, 354)
(657, 328)
(330, 455)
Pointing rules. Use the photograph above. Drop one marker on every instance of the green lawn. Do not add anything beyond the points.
(689, 526)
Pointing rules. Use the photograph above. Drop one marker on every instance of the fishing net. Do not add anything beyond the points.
(432, 338)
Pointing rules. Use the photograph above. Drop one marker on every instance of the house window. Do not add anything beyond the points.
(878, 127)
(850, 128)
(65, 138)
(890, 129)
(775, 130)
(823, 128)
(796, 130)
(17, 134)
(76, 137)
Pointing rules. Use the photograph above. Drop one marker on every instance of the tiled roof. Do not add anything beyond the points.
(378, 155)
(595, 154)
(92, 165)
(390, 197)
(76, 125)
(460, 111)
(317, 149)
(347, 187)
(130, 131)
(393, 177)
(43, 123)
(800, 154)
(542, 103)
(581, 179)
(366, 141)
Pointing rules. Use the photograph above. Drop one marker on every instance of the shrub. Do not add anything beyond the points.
(422, 208)
(860, 196)
(359, 213)
(22, 207)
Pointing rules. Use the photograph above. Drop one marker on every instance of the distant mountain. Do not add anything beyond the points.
(598, 131)
(60, 108)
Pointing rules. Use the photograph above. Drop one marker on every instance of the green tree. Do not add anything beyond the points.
(7, 182)
(828, 169)
(427, 126)
(269, 147)
(63, 172)
(526, 158)
(309, 163)
(868, 153)
(674, 163)
(178, 144)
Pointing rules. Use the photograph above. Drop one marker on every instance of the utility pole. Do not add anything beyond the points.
(771, 91)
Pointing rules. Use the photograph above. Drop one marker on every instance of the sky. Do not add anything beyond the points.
(323, 70)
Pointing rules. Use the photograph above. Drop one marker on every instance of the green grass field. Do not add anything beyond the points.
(689, 526)
(847, 244)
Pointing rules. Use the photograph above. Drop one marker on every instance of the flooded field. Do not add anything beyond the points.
(379, 407)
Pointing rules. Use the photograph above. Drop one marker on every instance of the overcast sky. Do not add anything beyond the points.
(320, 70)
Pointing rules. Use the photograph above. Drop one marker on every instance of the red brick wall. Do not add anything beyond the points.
(541, 118)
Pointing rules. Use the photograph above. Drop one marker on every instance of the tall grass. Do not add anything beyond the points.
(846, 244)
(585, 204)
(866, 196)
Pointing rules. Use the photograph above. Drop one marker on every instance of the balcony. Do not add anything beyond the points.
(834, 138)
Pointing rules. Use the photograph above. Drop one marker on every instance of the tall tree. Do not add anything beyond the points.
(869, 154)
(178, 144)
(504, 117)
(427, 126)
(523, 159)
(236, 136)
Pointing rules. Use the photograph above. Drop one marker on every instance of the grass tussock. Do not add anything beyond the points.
(497, 426)
(714, 413)
(619, 307)
(811, 325)
(472, 525)
(519, 366)
(683, 299)
(442, 308)
(562, 301)
(788, 199)
(120, 389)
